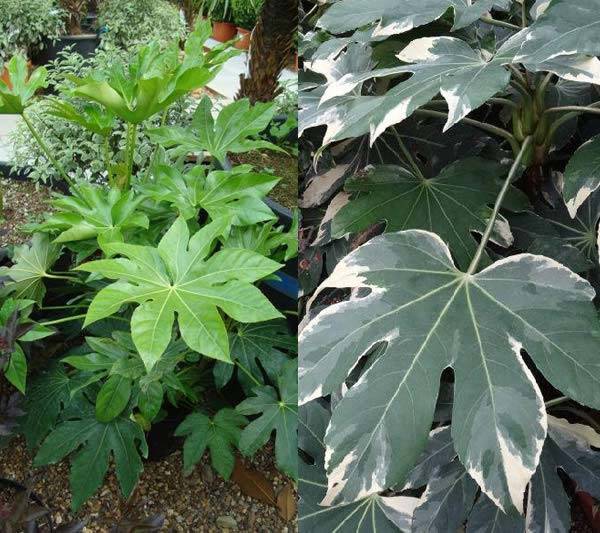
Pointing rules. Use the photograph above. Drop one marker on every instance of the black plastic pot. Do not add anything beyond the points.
(85, 45)
(287, 287)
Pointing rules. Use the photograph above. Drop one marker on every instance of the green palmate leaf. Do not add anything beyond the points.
(486, 517)
(94, 443)
(16, 369)
(18, 94)
(31, 263)
(278, 412)
(46, 395)
(180, 276)
(91, 117)
(439, 452)
(255, 347)
(432, 316)
(154, 79)
(450, 496)
(582, 175)
(150, 400)
(399, 16)
(220, 434)
(236, 194)
(233, 131)
(112, 398)
(374, 513)
(94, 213)
(552, 232)
(453, 204)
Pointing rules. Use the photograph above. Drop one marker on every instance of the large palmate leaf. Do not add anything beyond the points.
(278, 410)
(447, 502)
(451, 492)
(220, 434)
(233, 131)
(180, 276)
(18, 94)
(564, 29)
(47, 394)
(154, 79)
(96, 443)
(374, 513)
(31, 265)
(399, 16)
(439, 65)
(582, 175)
(431, 316)
(254, 348)
(237, 193)
(93, 212)
(453, 204)
(551, 231)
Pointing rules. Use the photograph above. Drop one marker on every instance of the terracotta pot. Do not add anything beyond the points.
(243, 43)
(223, 31)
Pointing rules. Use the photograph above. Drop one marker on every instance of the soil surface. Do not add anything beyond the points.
(24, 202)
(202, 502)
(282, 165)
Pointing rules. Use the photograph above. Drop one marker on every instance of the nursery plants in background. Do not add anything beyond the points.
(131, 24)
(28, 26)
(142, 289)
(449, 366)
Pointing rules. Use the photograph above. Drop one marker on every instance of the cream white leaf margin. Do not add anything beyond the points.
(432, 316)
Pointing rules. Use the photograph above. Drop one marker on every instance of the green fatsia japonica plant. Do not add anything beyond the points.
(449, 349)
(144, 288)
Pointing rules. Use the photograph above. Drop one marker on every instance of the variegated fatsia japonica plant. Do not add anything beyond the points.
(449, 369)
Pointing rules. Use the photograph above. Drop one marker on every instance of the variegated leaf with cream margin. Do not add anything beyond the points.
(582, 175)
(373, 514)
(182, 276)
(453, 204)
(432, 316)
(399, 16)
(443, 65)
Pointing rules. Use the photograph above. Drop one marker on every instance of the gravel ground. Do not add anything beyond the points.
(284, 166)
(23, 202)
(202, 502)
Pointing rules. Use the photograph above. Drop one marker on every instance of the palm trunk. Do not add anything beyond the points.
(270, 49)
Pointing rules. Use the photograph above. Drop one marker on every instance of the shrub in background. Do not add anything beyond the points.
(132, 23)
(245, 12)
(25, 25)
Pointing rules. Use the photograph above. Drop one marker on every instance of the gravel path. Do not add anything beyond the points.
(202, 502)
(23, 202)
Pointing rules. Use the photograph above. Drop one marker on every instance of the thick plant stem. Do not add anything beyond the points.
(523, 14)
(490, 227)
(47, 151)
(481, 125)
